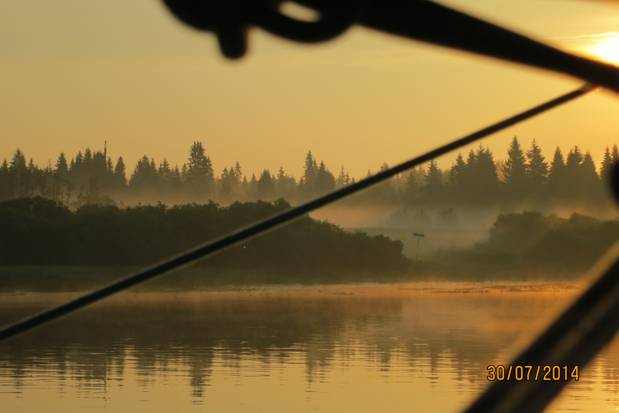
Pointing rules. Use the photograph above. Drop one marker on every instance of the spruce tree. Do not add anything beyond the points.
(164, 175)
(120, 174)
(5, 181)
(606, 167)
(536, 170)
(558, 184)
(199, 175)
(265, 185)
(224, 184)
(456, 171)
(433, 183)
(143, 181)
(284, 185)
(515, 172)
(481, 182)
(413, 183)
(589, 181)
(343, 178)
(325, 181)
(308, 180)
(19, 174)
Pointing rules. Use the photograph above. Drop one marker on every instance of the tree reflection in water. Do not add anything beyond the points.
(424, 335)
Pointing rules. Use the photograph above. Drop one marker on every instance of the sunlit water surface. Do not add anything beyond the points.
(361, 348)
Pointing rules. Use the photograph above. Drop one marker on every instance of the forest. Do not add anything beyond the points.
(523, 178)
(44, 243)
(86, 210)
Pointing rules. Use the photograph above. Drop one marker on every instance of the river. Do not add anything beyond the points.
(359, 348)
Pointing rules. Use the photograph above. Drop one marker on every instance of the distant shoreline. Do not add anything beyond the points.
(51, 279)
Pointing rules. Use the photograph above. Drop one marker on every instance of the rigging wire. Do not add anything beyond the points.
(589, 324)
(572, 340)
(268, 224)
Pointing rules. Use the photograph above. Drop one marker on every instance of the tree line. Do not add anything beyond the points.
(524, 176)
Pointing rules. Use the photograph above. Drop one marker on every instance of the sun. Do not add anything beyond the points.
(606, 48)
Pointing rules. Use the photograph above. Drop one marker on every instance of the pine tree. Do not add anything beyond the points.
(573, 161)
(60, 178)
(455, 179)
(587, 184)
(342, 179)
(281, 173)
(308, 180)
(120, 174)
(456, 171)
(265, 185)
(285, 185)
(589, 181)
(79, 158)
(18, 162)
(382, 193)
(480, 183)
(19, 174)
(164, 173)
(87, 157)
(199, 175)
(230, 182)
(238, 173)
(433, 183)
(62, 168)
(413, 183)
(606, 167)
(615, 154)
(34, 179)
(5, 181)
(310, 166)
(515, 172)
(324, 180)
(558, 184)
(490, 187)
(175, 181)
(252, 188)
(245, 188)
(536, 170)
(143, 181)
(573, 168)
(224, 184)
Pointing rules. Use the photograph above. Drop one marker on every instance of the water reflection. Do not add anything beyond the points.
(426, 348)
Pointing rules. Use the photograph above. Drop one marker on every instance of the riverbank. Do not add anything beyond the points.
(76, 278)
(80, 278)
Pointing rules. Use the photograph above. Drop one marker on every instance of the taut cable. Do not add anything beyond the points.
(268, 224)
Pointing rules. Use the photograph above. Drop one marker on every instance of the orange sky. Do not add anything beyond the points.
(77, 73)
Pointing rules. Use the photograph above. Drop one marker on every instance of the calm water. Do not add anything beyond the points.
(326, 349)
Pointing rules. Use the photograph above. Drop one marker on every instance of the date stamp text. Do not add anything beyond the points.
(499, 372)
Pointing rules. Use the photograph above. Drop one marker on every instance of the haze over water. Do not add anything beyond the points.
(360, 348)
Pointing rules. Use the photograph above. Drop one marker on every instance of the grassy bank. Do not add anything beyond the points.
(67, 278)
(80, 278)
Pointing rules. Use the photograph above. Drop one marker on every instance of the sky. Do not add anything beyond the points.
(75, 74)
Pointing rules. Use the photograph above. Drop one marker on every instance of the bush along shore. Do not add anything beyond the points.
(41, 232)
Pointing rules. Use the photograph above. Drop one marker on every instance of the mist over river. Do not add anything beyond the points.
(358, 347)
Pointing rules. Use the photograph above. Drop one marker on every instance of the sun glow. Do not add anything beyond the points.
(606, 48)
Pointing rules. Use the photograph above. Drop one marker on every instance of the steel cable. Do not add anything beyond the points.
(573, 339)
(262, 227)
